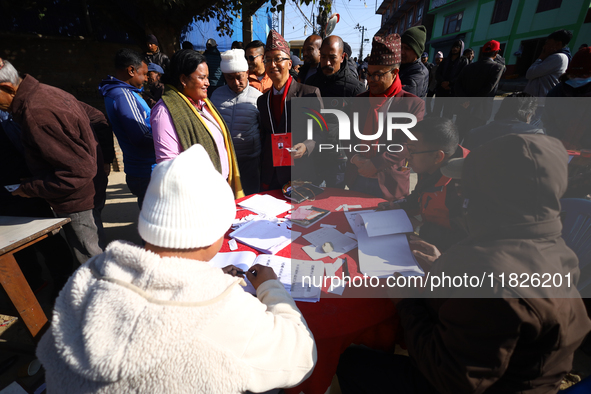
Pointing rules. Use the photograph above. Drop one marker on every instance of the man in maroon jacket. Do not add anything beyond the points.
(61, 152)
(379, 171)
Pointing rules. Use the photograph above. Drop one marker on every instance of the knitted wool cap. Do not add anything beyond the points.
(415, 37)
(188, 203)
(581, 63)
(151, 39)
(385, 51)
(439, 55)
(276, 42)
(233, 61)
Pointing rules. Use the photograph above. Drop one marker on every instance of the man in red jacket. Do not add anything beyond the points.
(61, 152)
(377, 171)
(435, 197)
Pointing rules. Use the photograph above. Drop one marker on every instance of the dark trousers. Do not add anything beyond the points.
(333, 173)
(250, 175)
(138, 187)
(82, 235)
(364, 370)
(445, 102)
(429, 101)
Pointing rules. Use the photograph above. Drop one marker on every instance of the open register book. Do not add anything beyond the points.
(289, 272)
(383, 246)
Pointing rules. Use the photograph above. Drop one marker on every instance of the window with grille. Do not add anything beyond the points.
(453, 23)
(410, 16)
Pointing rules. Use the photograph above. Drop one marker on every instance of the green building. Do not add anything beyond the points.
(520, 26)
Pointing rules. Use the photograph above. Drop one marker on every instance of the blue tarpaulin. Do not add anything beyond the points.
(197, 33)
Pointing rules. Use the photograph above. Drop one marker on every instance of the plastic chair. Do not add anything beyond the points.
(584, 386)
(576, 232)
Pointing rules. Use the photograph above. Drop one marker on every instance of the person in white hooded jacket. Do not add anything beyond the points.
(159, 319)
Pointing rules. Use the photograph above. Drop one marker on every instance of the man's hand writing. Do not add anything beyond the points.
(258, 274)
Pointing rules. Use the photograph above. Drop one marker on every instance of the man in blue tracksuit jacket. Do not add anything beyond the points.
(129, 115)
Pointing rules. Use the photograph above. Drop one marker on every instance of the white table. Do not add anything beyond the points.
(17, 233)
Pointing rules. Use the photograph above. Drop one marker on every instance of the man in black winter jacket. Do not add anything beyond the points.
(334, 79)
(477, 85)
(414, 76)
(446, 76)
(311, 55)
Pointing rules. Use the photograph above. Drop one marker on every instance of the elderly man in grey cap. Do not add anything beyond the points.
(237, 102)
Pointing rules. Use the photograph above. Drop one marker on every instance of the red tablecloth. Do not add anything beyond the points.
(337, 321)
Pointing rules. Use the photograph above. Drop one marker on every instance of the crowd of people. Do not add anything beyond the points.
(199, 130)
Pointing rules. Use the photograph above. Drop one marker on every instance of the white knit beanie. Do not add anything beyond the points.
(233, 61)
(188, 203)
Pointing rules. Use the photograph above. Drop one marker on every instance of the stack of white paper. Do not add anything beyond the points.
(383, 246)
(265, 204)
(289, 272)
(266, 236)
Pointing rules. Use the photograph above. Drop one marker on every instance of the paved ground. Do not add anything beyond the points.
(121, 211)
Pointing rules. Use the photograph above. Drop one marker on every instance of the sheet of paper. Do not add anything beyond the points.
(351, 235)
(281, 266)
(352, 218)
(328, 225)
(338, 289)
(12, 188)
(265, 204)
(308, 290)
(330, 270)
(316, 252)
(340, 242)
(264, 235)
(242, 260)
(382, 256)
(379, 223)
(232, 244)
(13, 388)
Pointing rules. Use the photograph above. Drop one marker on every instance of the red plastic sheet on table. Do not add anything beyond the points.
(336, 321)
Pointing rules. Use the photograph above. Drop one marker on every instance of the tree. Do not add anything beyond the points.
(129, 19)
